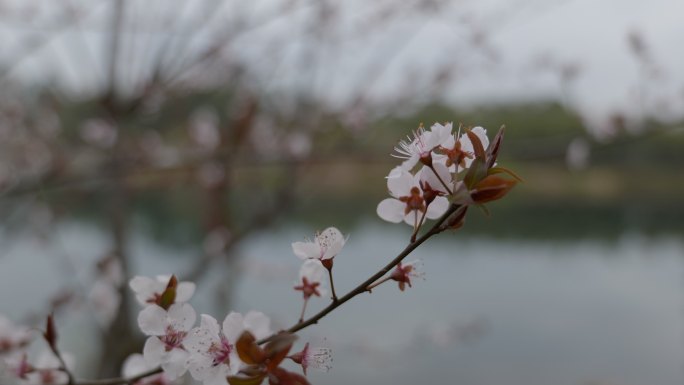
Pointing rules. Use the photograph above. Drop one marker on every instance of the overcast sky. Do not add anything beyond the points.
(522, 44)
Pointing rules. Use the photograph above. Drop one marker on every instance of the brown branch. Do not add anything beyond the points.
(363, 287)
(120, 380)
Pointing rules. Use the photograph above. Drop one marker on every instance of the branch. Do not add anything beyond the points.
(120, 380)
(363, 287)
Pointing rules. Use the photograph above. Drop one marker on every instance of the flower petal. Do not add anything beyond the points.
(412, 217)
(331, 241)
(182, 316)
(428, 175)
(153, 351)
(391, 210)
(175, 363)
(312, 270)
(257, 323)
(185, 291)
(233, 326)
(152, 320)
(400, 183)
(438, 207)
(306, 250)
(135, 364)
(143, 287)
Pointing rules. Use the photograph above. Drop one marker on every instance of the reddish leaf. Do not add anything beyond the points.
(279, 376)
(476, 172)
(493, 150)
(278, 348)
(248, 350)
(168, 297)
(256, 380)
(50, 332)
(457, 219)
(478, 148)
(504, 170)
(491, 188)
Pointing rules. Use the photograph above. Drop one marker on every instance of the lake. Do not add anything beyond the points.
(488, 311)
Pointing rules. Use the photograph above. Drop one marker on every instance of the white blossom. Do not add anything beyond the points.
(12, 337)
(213, 356)
(167, 331)
(408, 202)
(325, 245)
(148, 290)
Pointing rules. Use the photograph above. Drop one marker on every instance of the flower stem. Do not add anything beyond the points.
(440, 180)
(332, 286)
(363, 286)
(301, 316)
(120, 380)
(417, 228)
(376, 284)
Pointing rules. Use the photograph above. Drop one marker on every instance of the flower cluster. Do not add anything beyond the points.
(212, 352)
(456, 168)
(442, 174)
(17, 367)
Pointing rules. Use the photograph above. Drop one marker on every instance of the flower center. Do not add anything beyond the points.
(456, 155)
(173, 338)
(220, 352)
(308, 288)
(414, 201)
(5, 344)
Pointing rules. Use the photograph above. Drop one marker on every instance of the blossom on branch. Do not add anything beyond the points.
(421, 146)
(311, 277)
(325, 245)
(459, 151)
(167, 330)
(316, 358)
(150, 290)
(404, 272)
(213, 355)
(410, 203)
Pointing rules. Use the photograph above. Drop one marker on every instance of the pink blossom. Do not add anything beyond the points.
(316, 358)
(213, 356)
(167, 331)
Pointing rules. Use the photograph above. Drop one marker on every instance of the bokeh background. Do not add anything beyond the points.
(202, 137)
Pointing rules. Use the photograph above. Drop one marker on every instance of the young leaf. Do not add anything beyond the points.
(278, 348)
(248, 350)
(478, 148)
(504, 170)
(477, 171)
(493, 150)
(491, 188)
(50, 332)
(279, 376)
(255, 380)
(168, 297)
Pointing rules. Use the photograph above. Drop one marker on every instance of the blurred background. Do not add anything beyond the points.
(202, 137)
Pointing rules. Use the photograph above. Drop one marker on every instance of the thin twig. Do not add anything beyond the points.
(363, 287)
(120, 380)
